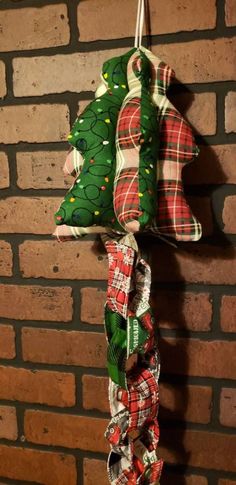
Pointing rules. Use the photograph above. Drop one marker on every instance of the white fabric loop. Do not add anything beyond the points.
(139, 24)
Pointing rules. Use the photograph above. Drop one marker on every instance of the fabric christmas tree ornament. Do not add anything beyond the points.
(129, 147)
(173, 216)
(90, 199)
(137, 150)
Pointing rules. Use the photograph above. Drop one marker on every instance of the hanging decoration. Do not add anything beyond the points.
(128, 149)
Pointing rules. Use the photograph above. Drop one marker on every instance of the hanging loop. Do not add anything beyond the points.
(139, 24)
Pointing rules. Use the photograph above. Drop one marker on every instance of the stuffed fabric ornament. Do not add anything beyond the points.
(137, 150)
(174, 217)
(90, 200)
(129, 147)
(73, 166)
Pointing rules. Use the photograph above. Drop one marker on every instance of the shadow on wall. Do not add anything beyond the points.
(168, 299)
(169, 294)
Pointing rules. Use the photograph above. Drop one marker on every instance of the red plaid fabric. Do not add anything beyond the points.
(126, 199)
(152, 474)
(120, 260)
(128, 125)
(151, 434)
(126, 185)
(141, 399)
(177, 147)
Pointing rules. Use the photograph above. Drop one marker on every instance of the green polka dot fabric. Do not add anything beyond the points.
(90, 200)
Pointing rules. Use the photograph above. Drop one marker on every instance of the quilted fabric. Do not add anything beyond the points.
(90, 200)
(137, 150)
(174, 217)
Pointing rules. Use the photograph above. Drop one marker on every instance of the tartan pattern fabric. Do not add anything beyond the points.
(136, 148)
(134, 457)
(152, 474)
(133, 431)
(128, 126)
(121, 261)
(174, 217)
(126, 199)
(142, 398)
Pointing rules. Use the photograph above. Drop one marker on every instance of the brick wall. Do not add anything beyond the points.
(53, 379)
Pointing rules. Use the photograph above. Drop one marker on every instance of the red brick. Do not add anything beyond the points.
(228, 407)
(228, 313)
(95, 393)
(37, 386)
(34, 123)
(49, 28)
(230, 16)
(87, 349)
(38, 466)
(195, 447)
(4, 168)
(95, 470)
(71, 72)
(201, 207)
(226, 481)
(72, 260)
(229, 214)
(230, 112)
(33, 215)
(3, 86)
(71, 431)
(214, 165)
(180, 57)
(188, 403)
(169, 479)
(194, 263)
(187, 310)
(68, 68)
(36, 303)
(198, 109)
(198, 358)
(8, 423)
(5, 259)
(7, 342)
(82, 104)
(92, 305)
(42, 170)
(166, 17)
